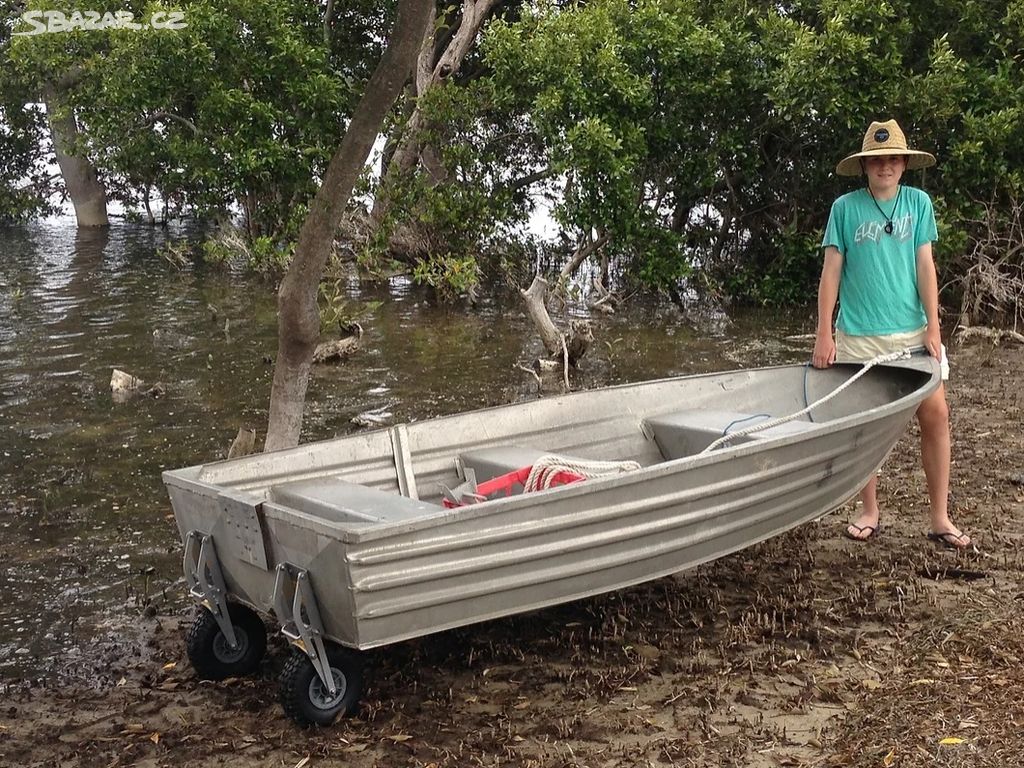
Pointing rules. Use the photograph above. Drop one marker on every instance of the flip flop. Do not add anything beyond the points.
(948, 540)
(875, 530)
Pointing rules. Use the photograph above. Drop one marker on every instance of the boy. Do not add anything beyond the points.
(878, 264)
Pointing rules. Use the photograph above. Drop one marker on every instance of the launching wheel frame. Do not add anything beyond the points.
(305, 697)
(225, 640)
(321, 680)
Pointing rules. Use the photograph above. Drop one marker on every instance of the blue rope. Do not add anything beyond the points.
(734, 422)
(810, 416)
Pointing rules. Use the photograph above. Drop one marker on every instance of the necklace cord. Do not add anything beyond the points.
(888, 219)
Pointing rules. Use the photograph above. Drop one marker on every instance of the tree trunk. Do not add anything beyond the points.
(428, 75)
(87, 193)
(298, 318)
(538, 312)
(565, 352)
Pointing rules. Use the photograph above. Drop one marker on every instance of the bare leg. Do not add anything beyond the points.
(866, 525)
(933, 416)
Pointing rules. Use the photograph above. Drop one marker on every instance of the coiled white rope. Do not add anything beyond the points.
(900, 354)
(547, 467)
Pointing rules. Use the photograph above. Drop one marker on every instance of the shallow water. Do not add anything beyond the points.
(86, 532)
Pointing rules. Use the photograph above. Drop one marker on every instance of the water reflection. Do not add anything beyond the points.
(86, 534)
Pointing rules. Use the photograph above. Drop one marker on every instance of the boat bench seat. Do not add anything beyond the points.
(685, 433)
(335, 499)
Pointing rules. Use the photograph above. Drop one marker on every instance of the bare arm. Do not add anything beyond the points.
(828, 294)
(928, 291)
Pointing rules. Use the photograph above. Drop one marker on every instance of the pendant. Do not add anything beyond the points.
(888, 227)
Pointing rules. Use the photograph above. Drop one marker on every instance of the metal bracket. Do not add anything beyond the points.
(464, 493)
(403, 461)
(296, 609)
(243, 532)
(206, 582)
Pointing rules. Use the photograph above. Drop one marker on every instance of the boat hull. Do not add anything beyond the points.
(382, 582)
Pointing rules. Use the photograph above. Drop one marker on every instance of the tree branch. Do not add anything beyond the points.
(409, 148)
(582, 252)
(521, 183)
(328, 17)
(156, 116)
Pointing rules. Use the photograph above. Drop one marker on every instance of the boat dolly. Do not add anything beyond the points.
(319, 682)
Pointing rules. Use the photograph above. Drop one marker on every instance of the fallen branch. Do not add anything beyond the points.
(995, 335)
(538, 312)
(571, 347)
(606, 300)
(532, 372)
(339, 349)
(991, 273)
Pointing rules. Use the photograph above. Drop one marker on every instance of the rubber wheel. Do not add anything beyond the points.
(211, 655)
(306, 699)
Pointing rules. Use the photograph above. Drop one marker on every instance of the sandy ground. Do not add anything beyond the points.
(808, 650)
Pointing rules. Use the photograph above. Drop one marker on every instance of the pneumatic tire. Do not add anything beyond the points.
(211, 655)
(306, 699)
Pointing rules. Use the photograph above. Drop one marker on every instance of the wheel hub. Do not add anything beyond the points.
(319, 695)
(224, 653)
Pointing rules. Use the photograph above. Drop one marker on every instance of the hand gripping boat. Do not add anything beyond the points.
(377, 537)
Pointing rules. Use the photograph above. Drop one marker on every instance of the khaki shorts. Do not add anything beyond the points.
(858, 349)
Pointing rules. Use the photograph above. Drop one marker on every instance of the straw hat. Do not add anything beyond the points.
(884, 139)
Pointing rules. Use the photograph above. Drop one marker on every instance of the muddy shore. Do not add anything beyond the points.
(808, 650)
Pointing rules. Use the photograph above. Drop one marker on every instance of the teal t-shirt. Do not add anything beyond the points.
(878, 287)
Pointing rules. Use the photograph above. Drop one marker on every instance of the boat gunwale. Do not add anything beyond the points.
(197, 469)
